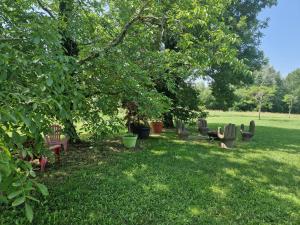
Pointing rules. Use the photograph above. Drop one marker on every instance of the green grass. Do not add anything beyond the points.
(171, 181)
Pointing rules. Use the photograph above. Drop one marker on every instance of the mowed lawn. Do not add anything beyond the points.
(171, 181)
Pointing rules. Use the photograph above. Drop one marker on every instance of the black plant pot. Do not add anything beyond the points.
(143, 132)
(134, 128)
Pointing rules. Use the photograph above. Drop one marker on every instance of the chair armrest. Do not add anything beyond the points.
(220, 133)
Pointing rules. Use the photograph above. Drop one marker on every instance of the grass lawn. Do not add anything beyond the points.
(171, 181)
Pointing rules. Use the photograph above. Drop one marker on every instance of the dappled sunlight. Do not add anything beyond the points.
(287, 196)
(231, 172)
(179, 141)
(156, 187)
(58, 174)
(130, 176)
(195, 211)
(188, 158)
(158, 153)
(219, 191)
(160, 187)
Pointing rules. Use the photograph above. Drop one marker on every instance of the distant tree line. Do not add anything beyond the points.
(267, 91)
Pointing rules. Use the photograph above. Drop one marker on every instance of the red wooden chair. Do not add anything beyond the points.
(54, 138)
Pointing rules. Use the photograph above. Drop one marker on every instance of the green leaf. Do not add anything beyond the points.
(3, 75)
(28, 212)
(36, 40)
(32, 173)
(32, 198)
(14, 194)
(49, 81)
(4, 169)
(16, 184)
(18, 201)
(3, 199)
(6, 150)
(43, 189)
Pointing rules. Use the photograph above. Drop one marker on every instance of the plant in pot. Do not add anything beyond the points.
(141, 128)
(129, 139)
(139, 111)
(157, 126)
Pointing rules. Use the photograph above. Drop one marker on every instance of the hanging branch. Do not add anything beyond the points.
(161, 43)
(46, 9)
(119, 38)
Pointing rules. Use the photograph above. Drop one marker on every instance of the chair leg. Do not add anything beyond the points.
(43, 162)
(65, 144)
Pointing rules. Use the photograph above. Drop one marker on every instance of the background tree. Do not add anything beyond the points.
(290, 100)
(242, 18)
(292, 85)
(267, 76)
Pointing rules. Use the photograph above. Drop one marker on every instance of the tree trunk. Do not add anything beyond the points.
(71, 132)
(168, 120)
(259, 110)
(290, 109)
(71, 49)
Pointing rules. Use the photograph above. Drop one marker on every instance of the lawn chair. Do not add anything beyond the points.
(202, 126)
(54, 138)
(228, 136)
(248, 135)
(181, 130)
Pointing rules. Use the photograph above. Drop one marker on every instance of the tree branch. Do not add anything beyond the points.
(10, 39)
(45, 9)
(151, 19)
(119, 38)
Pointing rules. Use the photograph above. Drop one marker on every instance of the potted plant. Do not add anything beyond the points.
(157, 126)
(141, 128)
(129, 140)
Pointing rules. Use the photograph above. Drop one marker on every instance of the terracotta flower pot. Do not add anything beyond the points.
(157, 127)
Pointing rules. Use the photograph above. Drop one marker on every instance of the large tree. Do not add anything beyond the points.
(292, 85)
(242, 18)
(265, 93)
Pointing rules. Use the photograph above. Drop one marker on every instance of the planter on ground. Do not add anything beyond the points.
(140, 130)
(143, 132)
(129, 140)
(157, 127)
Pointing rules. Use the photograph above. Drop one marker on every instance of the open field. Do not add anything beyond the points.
(172, 181)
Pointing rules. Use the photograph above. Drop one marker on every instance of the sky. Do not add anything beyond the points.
(281, 41)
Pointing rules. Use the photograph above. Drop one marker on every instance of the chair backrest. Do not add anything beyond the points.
(54, 135)
(242, 127)
(230, 131)
(180, 126)
(202, 123)
(252, 127)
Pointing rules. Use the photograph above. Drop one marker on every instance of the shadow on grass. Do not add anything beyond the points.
(174, 181)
